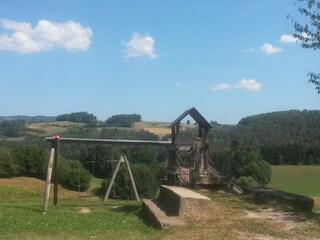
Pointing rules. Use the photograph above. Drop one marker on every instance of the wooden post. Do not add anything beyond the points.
(173, 135)
(106, 196)
(171, 168)
(200, 131)
(197, 157)
(205, 145)
(131, 178)
(177, 137)
(55, 170)
(48, 181)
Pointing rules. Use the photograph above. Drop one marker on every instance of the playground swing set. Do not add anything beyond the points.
(53, 163)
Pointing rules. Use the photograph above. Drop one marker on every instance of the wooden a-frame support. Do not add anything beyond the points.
(121, 160)
(53, 165)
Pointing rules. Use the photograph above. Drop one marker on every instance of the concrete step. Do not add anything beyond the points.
(157, 217)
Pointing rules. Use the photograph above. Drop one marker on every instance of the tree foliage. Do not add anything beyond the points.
(279, 128)
(72, 175)
(308, 33)
(8, 167)
(31, 159)
(79, 117)
(245, 182)
(249, 163)
(123, 120)
(96, 158)
(12, 128)
(287, 137)
(115, 133)
(144, 178)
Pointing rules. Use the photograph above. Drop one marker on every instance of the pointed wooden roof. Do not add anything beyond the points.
(196, 116)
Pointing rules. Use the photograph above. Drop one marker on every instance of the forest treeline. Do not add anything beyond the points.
(78, 117)
(286, 137)
(17, 126)
(280, 128)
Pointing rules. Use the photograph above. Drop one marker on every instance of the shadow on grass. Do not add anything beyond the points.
(36, 209)
(127, 209)
(115, 206)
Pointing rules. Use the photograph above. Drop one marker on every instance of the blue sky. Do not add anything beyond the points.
(229, 59)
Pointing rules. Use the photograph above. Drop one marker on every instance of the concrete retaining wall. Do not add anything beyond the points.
(181, 201)
(173, 203)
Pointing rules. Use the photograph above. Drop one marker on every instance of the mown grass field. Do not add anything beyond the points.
(303, 180)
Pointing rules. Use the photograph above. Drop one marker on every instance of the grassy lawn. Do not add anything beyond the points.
(69, 221)
(76, 217)
(296, 179)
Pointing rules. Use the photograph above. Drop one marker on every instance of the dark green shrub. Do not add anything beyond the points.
(71, 177)
(63, 170)
(78, 179)
(250, 164)
(245, 182)
(145, 181)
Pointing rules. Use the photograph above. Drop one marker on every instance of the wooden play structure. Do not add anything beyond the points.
(189, 164)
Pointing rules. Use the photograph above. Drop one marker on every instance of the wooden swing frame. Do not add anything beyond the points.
(54, 155)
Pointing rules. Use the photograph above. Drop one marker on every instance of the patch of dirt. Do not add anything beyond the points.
(286, 220)
(228, 220)
(84, 210)
(118, 208)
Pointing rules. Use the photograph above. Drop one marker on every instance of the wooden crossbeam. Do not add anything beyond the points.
(110, 141)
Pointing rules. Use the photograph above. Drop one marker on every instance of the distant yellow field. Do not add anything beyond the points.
(52, 128)
(159, 128)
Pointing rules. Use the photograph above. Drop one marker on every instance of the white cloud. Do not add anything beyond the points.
(44, 36)
(288, 39)
(269, 49)
(221, 86)
(248, 84)
(140, 45)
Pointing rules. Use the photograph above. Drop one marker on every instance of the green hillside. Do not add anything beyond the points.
(280, 128)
